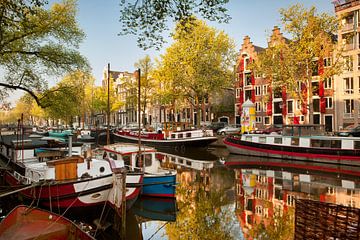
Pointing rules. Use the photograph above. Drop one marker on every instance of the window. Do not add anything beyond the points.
(359, 60)
(349, 107)
(327, 62)
(328, 102)
(298, 105)
(267, 120)
(258, 106)
(328, 83)
(265, 89)
(257, 90)
(315, 88)
(238, 92)
(359, 84)
(290, 104)
(247, 79)
(348, 63)
(316, 105)
(277, 107)
(348, 85)
(258, 119)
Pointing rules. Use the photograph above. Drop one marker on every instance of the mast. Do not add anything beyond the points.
(139, 116)
(108, 106)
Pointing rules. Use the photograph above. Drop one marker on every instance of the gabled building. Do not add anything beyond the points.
(348, 83)
(277, 105)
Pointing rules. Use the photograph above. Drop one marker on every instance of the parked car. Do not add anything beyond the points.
(272, 129)
(228, 130)
(349, 131)
(215, 126)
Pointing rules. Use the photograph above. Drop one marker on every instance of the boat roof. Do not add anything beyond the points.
(127, 148)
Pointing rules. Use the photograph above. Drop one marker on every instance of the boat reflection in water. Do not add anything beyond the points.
(266, 190)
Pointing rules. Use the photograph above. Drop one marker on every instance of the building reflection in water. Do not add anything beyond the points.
(266, 190)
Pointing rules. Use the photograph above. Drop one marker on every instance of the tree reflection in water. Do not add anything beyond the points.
(280, 226)
(202, 214)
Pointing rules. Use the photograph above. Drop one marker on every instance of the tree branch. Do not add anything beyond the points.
(32, 94)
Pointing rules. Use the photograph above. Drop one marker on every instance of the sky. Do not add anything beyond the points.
(99, 19)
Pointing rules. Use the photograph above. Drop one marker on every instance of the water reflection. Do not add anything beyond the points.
(266, 190)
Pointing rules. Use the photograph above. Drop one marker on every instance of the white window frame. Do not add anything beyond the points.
(264, 89)
(329, 103)
(257, 90)
(258, 119)
(287, 106)
(237, 92)
(350, 113)
(327, 83)
(348, 85)
(268, 118)
(258, 106)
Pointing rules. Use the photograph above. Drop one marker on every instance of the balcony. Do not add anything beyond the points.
(344, 4)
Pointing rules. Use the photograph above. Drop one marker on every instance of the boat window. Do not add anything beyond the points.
(335, 143)
(248, 138)
(295, 142)
(188, 163)
(147, 159)
(262, 139)
(126, 159)
(278, 140)
(188, 134)
(102, 169)
(180, 135)
(356, 144)
(181, 161)
(173, 135)
(113, 156)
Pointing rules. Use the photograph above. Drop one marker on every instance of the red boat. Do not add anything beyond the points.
(33, 223)
(72, 182)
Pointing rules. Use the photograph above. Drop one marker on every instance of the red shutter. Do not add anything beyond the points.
(241, 66)
(269, 104)
(322, 105)
(283, 95)
(304, 98)
(321, 88)
(321, 66)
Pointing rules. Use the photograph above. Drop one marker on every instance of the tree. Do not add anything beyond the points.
(291, 64)
(36, 43)
(197, 64)
(148, 18)
(146, 83)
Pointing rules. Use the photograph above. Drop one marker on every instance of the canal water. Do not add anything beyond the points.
(225, 196)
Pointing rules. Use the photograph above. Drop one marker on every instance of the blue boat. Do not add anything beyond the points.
(162, 184)
(158, 182)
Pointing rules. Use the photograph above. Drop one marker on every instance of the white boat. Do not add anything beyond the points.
(298, 142)
(158, 182)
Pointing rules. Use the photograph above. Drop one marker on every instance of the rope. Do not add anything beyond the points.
(50, 197)
(102, 213)
(157, 230)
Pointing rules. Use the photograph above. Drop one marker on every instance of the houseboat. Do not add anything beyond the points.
(158, 181)
(298, 142)
(176, 139)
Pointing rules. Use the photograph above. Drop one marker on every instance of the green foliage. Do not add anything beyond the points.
(196, 65)
(148, 18)
(36, 42)
(288, 62)
(281, 226)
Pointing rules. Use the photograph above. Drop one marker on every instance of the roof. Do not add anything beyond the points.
(127, 148)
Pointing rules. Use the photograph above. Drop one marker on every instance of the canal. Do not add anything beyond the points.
(225, 196)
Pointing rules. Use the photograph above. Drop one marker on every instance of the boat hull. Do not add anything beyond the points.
(167, 143)
(159, 185)
(82, 193)
(326, 155)
(34, 223)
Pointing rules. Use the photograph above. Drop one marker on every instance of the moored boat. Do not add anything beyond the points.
(72, 181)
(173, 139)
(25, 222)
(295, 144)
(158, 182)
